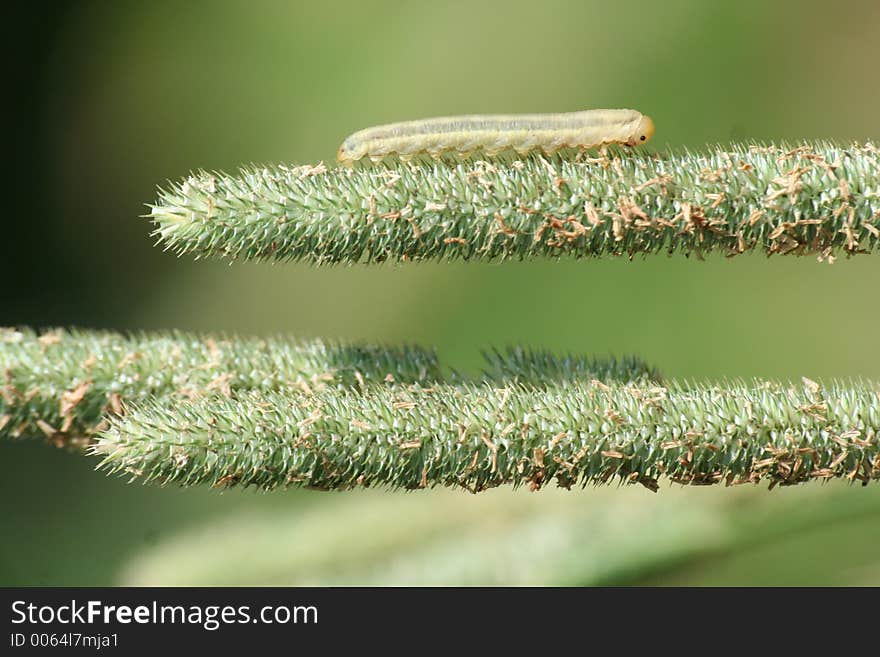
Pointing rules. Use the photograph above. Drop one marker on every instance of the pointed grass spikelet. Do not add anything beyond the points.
(812, 198)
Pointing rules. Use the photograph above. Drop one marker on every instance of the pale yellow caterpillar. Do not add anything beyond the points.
(493, 134)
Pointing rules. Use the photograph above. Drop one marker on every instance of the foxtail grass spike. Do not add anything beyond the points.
(820, 199)
(477, 436)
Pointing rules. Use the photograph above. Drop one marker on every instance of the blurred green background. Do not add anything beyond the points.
(115, 98)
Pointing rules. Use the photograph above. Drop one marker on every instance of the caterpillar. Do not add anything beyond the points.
(493, 134)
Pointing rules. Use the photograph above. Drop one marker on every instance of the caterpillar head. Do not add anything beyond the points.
(351, 150)
(345, 154)
(642, 132)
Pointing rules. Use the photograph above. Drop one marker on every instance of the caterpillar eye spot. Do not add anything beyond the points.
(642, 138)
